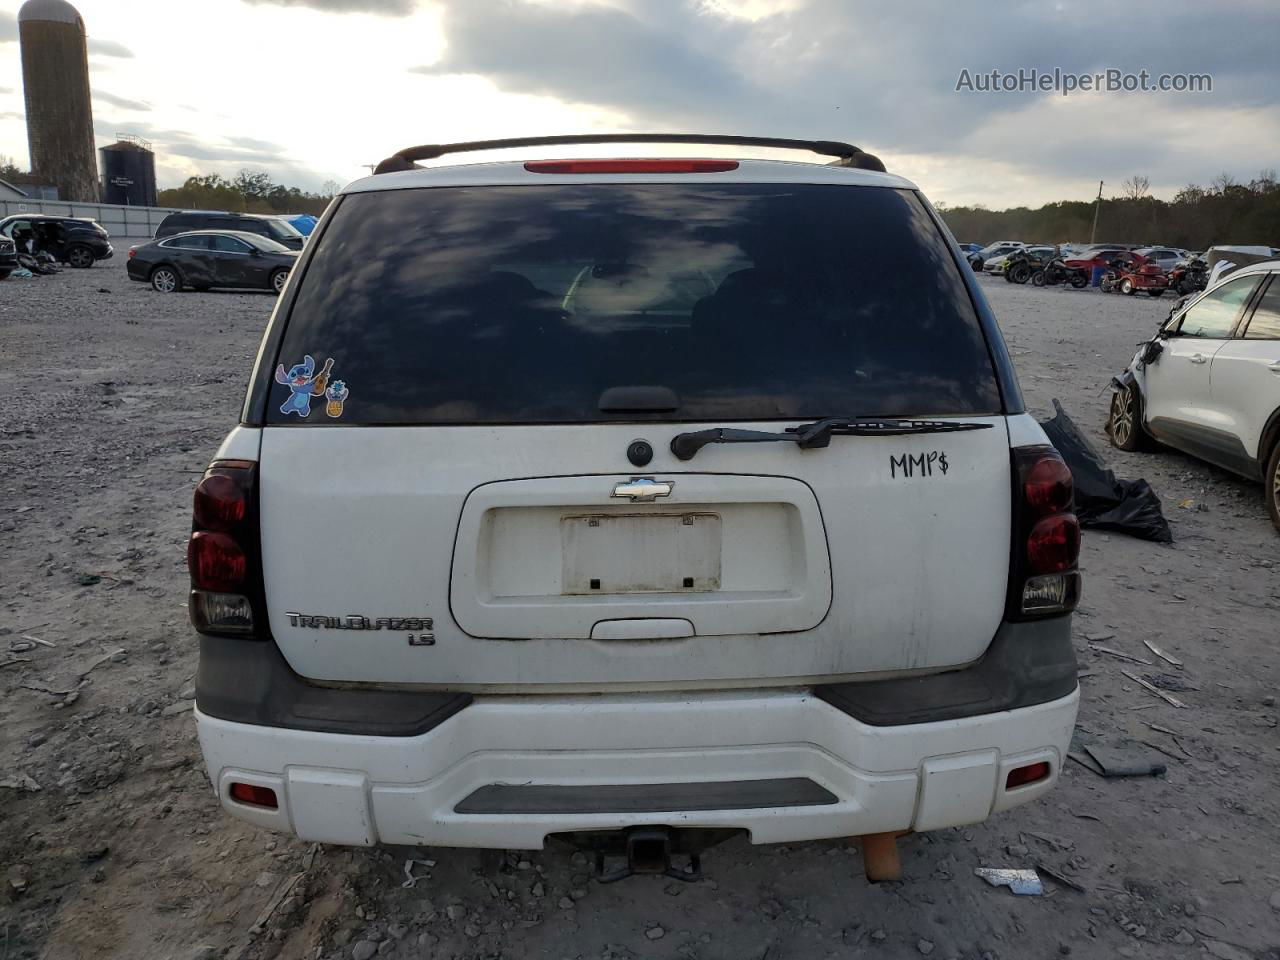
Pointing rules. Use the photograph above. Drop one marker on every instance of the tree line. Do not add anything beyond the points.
(1225, 212)
(247, 192)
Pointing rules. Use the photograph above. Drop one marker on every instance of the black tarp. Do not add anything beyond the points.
(1102, 501)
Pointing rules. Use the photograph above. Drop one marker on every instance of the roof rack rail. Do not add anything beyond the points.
(846, 154)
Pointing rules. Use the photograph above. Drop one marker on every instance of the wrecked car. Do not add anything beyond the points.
(1208, 383)
(8, 257)
(72, 240)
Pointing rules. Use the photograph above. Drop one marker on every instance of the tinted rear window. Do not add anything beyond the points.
(524, 304)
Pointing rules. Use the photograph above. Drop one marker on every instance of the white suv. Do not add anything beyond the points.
(639, 502)
(1209, 383)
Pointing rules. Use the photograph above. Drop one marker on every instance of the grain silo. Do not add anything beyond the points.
(55, 78)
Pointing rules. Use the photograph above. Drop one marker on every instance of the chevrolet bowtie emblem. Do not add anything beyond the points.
(644, 489)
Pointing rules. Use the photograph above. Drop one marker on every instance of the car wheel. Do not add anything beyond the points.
(81, 257)
(977, 265)
(165, 280)
(1273, 486)
(1126, 287)
(279, 279)
(1020, 274)
(1079, 281)
(1038, 278)
(1124, 425)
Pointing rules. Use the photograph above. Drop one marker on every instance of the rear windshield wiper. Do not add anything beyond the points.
(817, 434)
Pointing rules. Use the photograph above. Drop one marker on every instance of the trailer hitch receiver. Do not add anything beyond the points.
(648, 850)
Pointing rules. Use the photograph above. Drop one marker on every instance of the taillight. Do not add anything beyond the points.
(223, 554)
(1043, 580)
(220, 503)
(1053, 546)
(1047, 486)
(216, 562)
(632, 165)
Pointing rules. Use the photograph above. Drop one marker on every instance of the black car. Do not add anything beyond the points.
(275, 228)
(79, 242)
(8, 257)
(212, 258)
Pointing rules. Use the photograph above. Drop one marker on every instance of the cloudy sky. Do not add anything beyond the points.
(309, 90)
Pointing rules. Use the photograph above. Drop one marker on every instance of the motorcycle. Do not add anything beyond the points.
(1129, 274)
(1189, 276)
(1055, 272)
(1019, 266)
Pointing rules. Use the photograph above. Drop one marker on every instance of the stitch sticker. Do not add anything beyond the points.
(336, 395)
(303, 384)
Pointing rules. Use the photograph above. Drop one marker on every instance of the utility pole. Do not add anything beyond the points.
(1093, 234)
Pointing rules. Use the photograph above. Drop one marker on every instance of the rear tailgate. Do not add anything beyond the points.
(415, 526)
(445, 469)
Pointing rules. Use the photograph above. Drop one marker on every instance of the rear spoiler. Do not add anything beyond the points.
(846, 154)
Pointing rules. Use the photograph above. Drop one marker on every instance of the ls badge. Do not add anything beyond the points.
(419, 628)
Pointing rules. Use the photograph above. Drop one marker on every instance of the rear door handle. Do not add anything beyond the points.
(1198, 358)
(643, 629)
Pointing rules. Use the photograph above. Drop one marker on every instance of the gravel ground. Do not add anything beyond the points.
(113, 846)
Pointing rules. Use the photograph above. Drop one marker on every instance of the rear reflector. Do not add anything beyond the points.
(631, 166)
(255, 796)
(1021, 776)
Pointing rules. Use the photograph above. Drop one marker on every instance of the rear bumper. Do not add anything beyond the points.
(803, 768)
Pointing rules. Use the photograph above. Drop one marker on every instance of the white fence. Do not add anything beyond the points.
(123, 223)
